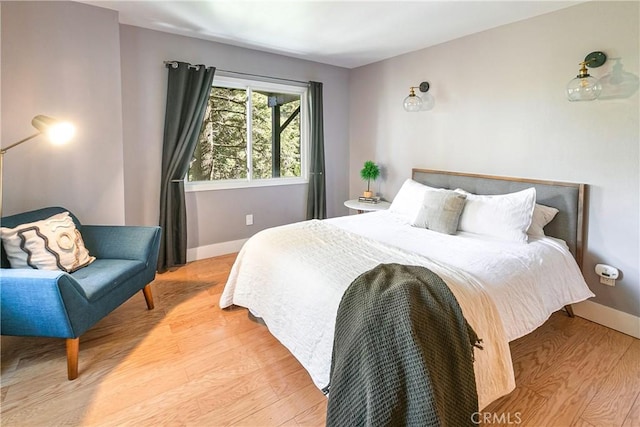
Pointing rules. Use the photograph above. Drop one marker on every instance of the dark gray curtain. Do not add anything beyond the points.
(316, 198)
(187, 95)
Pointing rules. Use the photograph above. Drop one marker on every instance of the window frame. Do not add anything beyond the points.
(250, 85)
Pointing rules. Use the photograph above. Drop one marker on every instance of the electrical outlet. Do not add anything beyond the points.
(249, 219)
(608, 282)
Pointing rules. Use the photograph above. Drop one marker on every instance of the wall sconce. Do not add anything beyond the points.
(415, 103)
(584, 87)
(57, 131)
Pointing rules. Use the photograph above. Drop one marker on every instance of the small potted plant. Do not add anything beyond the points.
(369, 172)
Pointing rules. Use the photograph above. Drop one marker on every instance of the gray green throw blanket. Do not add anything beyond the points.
(402, 353)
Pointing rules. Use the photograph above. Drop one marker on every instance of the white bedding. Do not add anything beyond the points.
(527, 282)
(293, 277)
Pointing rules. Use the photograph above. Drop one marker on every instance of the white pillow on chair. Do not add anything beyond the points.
(50, 244)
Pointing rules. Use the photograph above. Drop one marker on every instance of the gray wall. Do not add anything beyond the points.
(501, 110)
(74, 61)
(219, 216)
(62, 59)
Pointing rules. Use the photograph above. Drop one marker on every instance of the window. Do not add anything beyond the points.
(253, 134)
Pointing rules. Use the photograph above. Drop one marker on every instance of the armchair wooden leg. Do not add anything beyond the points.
(73, 347)
(569, 310)
(148, 297)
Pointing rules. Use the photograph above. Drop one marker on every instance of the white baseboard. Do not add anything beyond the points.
(215, 249)
(609, 317)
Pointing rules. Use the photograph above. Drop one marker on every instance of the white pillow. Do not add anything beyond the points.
(504, 216)
(409, 199)
(542, 215)
(51, 244)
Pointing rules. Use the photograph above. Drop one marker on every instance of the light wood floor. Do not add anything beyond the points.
(189, 363)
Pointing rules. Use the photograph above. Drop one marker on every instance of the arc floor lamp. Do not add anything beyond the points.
(58, 132)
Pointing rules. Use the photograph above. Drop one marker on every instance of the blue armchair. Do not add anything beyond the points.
(44, 303)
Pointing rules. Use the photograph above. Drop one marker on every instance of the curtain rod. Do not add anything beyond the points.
(174, 64)
(264, 77)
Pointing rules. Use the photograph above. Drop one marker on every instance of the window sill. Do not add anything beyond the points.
(191, 187)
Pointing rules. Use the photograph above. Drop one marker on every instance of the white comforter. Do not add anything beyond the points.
(294, 276)
(527, 282)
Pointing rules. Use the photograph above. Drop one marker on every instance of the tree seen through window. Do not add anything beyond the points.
(224, 141)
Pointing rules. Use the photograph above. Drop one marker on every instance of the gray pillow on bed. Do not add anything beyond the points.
(440, 211)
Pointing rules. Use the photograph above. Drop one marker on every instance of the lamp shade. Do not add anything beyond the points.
(584, 88)
(412, 103)
(57, 131)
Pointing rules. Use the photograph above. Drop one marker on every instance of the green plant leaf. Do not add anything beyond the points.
(370, 171)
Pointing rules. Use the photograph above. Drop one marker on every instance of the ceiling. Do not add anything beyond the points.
(342, 33)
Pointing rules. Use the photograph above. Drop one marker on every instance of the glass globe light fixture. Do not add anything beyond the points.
(584, 87)
(413, 102)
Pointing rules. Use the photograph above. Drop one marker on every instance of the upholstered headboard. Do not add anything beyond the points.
(568, 198)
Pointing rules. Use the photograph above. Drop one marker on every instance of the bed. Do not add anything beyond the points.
(293, 276)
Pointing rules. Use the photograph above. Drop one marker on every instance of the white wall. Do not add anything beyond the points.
(219, 216)
(501, 110)
(62, 59)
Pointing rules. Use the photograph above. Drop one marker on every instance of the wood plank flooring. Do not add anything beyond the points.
(189, 363)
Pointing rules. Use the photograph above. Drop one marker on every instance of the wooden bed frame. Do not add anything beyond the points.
(568, 198)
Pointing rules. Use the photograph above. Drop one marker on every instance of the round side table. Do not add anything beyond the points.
(362, 207)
